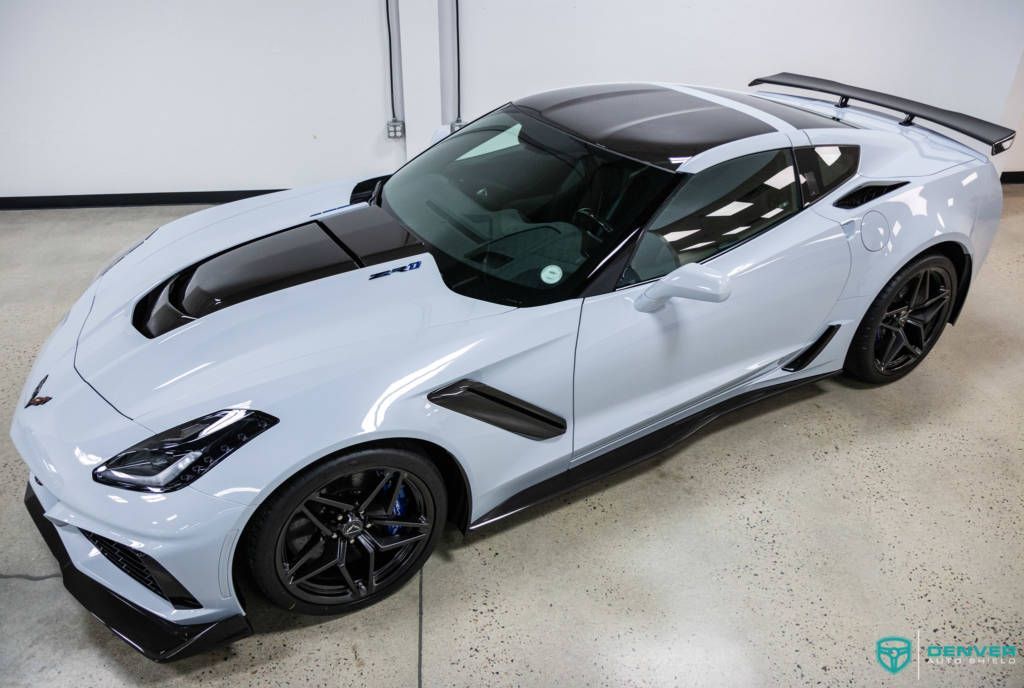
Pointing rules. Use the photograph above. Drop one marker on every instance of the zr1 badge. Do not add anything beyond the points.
(403, 268)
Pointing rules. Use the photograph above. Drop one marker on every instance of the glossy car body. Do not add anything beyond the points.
(515, 403)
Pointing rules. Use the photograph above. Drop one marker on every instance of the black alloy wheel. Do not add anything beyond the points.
(349, 531)
(904, 322)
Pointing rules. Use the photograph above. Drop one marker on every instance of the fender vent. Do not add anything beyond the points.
(144, 569)
(867, 193)
(490, 405)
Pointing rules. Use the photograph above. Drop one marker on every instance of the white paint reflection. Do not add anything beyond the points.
(375, 416)
(969, 178)
(183, 375)
(915, 202)
(235, 490)
(85, 458)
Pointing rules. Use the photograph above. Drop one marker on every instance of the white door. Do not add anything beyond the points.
(786, 268)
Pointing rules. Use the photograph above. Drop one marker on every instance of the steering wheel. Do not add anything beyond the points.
(592, 220)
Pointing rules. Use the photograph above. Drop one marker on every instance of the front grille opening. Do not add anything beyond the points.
(144, 569)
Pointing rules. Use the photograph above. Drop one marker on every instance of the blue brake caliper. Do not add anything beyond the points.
(399, 509)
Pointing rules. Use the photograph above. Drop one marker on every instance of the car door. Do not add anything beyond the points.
(638, 370)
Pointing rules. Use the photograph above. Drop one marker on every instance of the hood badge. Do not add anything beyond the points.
(402, 268)
(36, 399)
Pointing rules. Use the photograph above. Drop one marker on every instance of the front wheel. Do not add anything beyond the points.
(904, 322)
(348, 531)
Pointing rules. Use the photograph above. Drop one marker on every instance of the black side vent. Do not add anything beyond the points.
(365, 190)
(867, 193)
(145, 570)
(805, 357)
(490, 405)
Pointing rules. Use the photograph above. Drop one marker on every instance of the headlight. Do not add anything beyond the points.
(177, 457)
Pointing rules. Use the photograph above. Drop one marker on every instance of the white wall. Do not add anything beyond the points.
(121, 96)
(958, 54)
(112, 96)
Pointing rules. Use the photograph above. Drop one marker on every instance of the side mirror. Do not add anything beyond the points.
(692, 281)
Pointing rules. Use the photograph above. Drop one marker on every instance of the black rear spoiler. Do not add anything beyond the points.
(998, 137)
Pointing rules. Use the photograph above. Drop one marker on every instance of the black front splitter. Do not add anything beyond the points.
(155, 637)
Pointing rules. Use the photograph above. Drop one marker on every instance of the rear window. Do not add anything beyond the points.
(823, 168)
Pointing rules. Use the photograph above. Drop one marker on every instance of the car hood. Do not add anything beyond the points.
(375, 303)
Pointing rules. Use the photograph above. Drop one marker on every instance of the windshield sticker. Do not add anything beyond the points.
(551, 274)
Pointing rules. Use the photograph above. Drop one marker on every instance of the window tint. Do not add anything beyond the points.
(823, 168)
(516, 211)
(714, 210)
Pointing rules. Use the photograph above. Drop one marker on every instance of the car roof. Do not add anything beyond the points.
(664, 125)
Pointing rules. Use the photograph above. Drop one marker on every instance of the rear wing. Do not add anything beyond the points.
(998, 137)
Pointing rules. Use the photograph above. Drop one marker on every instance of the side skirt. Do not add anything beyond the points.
(630, 454)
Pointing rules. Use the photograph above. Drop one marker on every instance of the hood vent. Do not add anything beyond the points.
(867, 193)
(271, 263)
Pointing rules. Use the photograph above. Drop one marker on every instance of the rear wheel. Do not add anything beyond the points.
(904, 322)
(348, 532)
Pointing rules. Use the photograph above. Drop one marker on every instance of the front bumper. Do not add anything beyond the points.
(155, 637)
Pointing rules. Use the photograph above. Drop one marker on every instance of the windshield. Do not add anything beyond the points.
(516, 211)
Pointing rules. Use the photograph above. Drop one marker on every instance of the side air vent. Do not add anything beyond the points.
(364, 190)
(144, 569)
(867, 193)
(490, 405)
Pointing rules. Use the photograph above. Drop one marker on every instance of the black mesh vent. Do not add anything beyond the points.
(145, 570)
(866, 193)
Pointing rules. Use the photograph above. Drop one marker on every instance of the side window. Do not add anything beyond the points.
(823, 168)
(714, 210)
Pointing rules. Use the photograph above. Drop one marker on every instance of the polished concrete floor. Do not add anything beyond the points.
(773, 548)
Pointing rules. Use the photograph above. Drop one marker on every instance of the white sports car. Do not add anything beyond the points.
(309, 384)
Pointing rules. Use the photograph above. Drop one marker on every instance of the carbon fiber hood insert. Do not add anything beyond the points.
(357, 237)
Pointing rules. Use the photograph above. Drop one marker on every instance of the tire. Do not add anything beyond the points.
(904, 322)
(347, 532)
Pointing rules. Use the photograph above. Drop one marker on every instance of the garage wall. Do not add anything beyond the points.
(121, 96)
(956, 54)
(136, 96)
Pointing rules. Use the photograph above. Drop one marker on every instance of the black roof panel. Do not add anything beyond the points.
(644, 121)
(797, 117)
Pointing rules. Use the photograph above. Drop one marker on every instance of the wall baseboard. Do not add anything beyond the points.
(1012, 178)
(126, 199)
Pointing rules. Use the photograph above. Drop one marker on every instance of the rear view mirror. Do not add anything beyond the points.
(692, 281)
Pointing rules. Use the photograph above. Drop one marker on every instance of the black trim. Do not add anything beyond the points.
(630, 454)
(153, 636)
(366, 190)
(127, 199)
(866, 193)
(1012, 178)
(803, 359)
(490, 405)
(144, 569)
(997, 136)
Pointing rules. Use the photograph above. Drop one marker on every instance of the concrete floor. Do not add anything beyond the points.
(773, 548)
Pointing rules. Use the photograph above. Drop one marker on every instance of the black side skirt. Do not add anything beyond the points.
(157, 638)
(627, 455)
